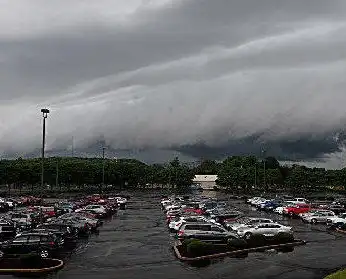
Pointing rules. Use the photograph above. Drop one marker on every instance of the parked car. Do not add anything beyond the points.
(45, 244)
(175, 225)
(205, 232)
(296, 209)
(298, 201)
(337, 219)
(314, 211)
(268, 229)
(68, 233)
(319, 217)
(4, 207)
(337, 209)
(280, 209)
(7, 228)
(246, 221)
(225, 216)
(99, 209)
(82, 227)
(23, 220)
(270, 205)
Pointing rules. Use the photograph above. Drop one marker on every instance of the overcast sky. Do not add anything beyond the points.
(193, 76)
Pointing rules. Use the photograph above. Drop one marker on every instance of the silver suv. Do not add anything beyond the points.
(205, 232)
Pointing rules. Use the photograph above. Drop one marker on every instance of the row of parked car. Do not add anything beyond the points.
(214, 221)
(50, 230)
(332, 213)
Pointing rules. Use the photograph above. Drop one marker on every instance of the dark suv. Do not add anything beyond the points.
(45, 244)
(65, 231)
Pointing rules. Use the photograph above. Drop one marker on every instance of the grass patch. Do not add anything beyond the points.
(337, 275)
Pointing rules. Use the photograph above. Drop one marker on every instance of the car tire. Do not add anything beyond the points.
(248, 235)
(44, 254)
(313, 221)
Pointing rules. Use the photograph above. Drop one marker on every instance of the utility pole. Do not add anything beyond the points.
(44, 115)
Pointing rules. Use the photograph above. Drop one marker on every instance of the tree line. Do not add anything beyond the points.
(234, 173)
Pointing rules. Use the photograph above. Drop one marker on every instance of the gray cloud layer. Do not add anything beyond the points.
(175, 74)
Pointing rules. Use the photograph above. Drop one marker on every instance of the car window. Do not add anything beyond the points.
(262, 226)
(192, 227)
(204, 227)
(34, 238)
(217, 229)
(21, 239)
(274, 226)
(45, 238)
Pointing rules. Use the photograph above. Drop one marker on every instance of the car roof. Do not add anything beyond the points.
(36, 233)
(199, 223)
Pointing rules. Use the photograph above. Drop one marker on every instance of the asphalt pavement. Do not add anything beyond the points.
(136, 244)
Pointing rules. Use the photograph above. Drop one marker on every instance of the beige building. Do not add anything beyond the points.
(206, 181)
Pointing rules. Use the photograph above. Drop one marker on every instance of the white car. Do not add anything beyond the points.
(253, 199)
(314, 211)
(258, 201)
(95, 207)
(340, 219)
(280, 209)
(269, 229)
(243, 222)
(319, 217)
(178, 221)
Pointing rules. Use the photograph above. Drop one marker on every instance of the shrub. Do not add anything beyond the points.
(30, 261)
(197, 248)
(257, 240)
(282, 238)
(186, 242)
(236, 244)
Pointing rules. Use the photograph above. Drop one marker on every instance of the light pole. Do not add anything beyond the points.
(57, 174)
(103, 168)
(45, 113)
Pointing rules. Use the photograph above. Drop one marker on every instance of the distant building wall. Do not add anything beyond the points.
(207, 182)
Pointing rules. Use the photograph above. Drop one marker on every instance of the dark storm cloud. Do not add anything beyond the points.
(197, 75)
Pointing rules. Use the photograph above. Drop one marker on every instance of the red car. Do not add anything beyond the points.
(197, 211)
(295, 210)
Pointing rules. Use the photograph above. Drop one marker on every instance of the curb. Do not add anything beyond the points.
(235, 253)
(340, 231)
(33, 270)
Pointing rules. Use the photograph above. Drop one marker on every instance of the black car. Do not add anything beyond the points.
(65, 231)
(7, 228)
(4, 207)
(82, 228)
(337, 209)
(45, 244)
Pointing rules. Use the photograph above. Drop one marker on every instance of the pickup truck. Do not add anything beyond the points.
(297, 209)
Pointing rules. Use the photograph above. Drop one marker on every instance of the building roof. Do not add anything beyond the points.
(205, 178)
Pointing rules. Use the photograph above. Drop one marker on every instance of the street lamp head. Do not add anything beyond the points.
(46, 111)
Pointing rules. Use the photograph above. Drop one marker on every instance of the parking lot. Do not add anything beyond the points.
(136, 244)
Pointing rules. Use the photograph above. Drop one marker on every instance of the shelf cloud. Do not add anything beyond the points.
(200, 77)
